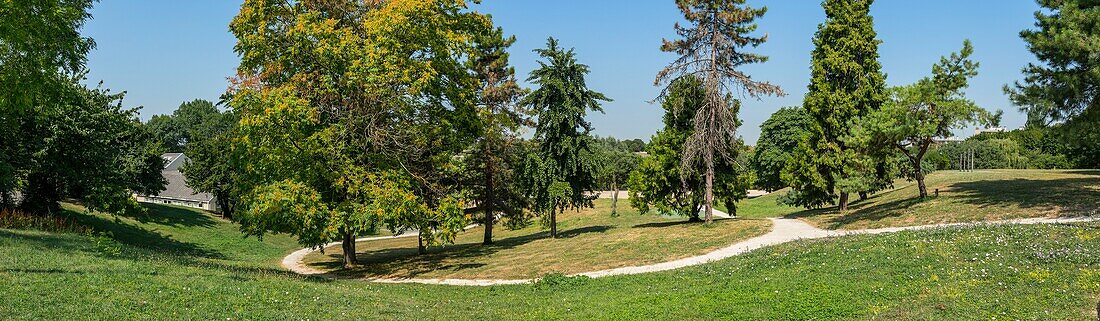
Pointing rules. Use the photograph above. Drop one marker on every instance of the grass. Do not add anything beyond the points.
(984, 195)
(993, 272)
(589, 240)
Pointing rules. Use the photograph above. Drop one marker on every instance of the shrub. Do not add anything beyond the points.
(16, 219)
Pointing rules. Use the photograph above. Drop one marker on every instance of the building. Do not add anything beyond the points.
(177, 192)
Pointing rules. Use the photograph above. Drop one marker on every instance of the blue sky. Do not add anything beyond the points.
(165, 52)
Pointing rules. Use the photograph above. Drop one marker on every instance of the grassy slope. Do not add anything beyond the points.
(1022, 272)
(590, 240)
(964, 197)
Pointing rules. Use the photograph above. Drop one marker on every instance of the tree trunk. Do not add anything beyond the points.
(554, 223)
(614, 198)
(843, 201)
(918, 174)
(348, 245)
(709, 197)
(489, 197)
(420, 248)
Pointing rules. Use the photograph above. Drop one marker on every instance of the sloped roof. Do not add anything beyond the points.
(173, 161)
(177, 188)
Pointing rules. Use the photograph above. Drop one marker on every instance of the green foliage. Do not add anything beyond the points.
(192, 121)
(565, 143)
(361, 107)
(918, 114)
(490, 164)
(62, 139)
(1062, 86)
(658, 181)
(711, 48)
(847, 84)
(779, 137)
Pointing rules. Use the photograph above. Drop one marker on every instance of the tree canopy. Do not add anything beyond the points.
(711, 48)
(561, 174)
(1063, 85)
(931, 108)
(846, 84)
(62, 139)
(779, 137)
(355, 111)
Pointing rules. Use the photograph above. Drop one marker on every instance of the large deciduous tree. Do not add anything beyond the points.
(711, 48)
(921, 112)
(657, 183)
(847, 83)
(490, 162)
(561, 174)
(779, 137)
(1065, 84)
(62, 139)
(351, 115)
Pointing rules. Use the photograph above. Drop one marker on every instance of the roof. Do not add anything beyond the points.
(177, 188)
(173, 161)
(177, 184)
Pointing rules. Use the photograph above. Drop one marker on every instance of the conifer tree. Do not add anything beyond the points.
(847, 83)
(561, 174)
(711, 48)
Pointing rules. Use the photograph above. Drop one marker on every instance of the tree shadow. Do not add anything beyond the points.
(73, 244)
(406, 261)
(1069, 196)
(174, 216)
(139, 237)
(677, 223)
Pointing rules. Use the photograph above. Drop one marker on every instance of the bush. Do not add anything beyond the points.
(16, 219)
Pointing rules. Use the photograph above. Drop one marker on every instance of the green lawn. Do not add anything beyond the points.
(187, 266)
(590, 240)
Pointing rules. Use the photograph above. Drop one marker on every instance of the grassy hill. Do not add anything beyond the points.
(179, 264)
(963, 197)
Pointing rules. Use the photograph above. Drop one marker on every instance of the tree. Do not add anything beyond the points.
(563, 163)
(351, 113)
(779, 137)
(191, 121)
(168, 134)
(657, 181)
(492, 177)
(710, 48)
(919, 113)
(211, 168)
(847, 84)
(614, 163)
(62, 139)
(1062, 86)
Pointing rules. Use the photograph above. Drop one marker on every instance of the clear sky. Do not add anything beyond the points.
(164, 52)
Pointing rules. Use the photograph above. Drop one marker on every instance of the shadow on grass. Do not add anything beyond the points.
(676, 223)
(139, 237)
(406, 262)
(1070, 196)
(81, 245)
(1073, 196)
(174, 216)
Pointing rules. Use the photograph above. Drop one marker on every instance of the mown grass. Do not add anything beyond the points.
(984, 195)
(993, 272)
(589, 240)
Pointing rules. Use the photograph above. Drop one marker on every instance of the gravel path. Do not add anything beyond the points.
(783, 230)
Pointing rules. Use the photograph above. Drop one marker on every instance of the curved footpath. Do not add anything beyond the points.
(783, 230)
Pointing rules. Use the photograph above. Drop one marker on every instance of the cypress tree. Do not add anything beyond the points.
(847, 83)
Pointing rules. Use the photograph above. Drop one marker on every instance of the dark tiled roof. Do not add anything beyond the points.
(173, 161)
(177, 188)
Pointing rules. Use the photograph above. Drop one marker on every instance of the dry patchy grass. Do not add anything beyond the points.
(589, 240)
(985, 195)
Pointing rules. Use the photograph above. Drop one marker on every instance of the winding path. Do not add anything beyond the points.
(783, 230)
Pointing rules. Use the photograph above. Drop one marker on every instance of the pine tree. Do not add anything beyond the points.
(847, 83)
(500, 119)
(710, 48)
(560, 175)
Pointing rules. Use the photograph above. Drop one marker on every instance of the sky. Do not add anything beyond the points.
(165, 52)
